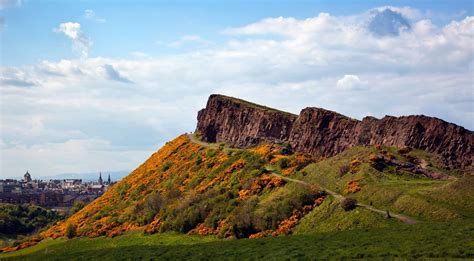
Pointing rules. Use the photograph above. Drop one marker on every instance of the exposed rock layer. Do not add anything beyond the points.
(242, 124)
(321, 132)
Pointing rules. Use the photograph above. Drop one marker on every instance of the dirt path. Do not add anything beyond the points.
(202, 143)
(340, 197)
(330, 192)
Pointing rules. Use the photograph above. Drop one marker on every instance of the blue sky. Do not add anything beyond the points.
(99, 85)
(132, 26)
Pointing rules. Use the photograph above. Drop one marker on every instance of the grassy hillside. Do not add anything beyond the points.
(425, 240)
(218, 192)
(190, 188)
(369, 175)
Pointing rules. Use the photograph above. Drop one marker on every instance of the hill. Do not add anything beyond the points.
(273, 189)
(325, 133)
(186, 186)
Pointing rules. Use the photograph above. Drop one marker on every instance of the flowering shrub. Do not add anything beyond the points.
(354, 165)
(353, 186)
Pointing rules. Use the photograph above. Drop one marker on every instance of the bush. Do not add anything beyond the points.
(343, 170)
(280, 205)
(412, 159)
(211, 153)
(377, 162)
(166, 166)
(242, 219)
(286, 149)
(154, 202)
(283, 163)
(404, 150)
(78, 205)
(269, 157)
(198, 161)
(209, 165)
(349, 204)
(70, 231)
(374, 158)
(122, 190)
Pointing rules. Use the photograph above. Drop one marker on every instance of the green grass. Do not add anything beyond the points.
(399, 192)
(330, 217)
(428, 240)
(257, 106)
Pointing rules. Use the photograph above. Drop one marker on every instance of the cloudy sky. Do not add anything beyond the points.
(88, 86)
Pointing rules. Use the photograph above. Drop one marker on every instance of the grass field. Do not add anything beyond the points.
(453, 239)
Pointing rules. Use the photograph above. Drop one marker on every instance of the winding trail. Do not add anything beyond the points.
(340, 197)
(337, 196)
(202, 143)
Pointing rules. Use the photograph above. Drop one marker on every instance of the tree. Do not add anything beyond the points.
(70, 231)
(154, 202)
(78, 205)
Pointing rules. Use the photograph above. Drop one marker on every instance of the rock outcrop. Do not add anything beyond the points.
(242, 124)
(321, 132)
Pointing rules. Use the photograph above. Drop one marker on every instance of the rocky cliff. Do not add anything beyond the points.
(242, 124)
(321, 132)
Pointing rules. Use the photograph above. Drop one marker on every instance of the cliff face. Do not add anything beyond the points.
(326, 133)
(321, 132)
(242, 124)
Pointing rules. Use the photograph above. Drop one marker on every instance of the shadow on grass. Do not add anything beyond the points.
(436, 240)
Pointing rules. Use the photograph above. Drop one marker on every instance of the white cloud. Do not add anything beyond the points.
(81, 43)
(288, 26)
(91, 15)
(351, 82)
(311, 62)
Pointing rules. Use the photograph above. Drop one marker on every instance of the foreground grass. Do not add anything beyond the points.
(430, 240)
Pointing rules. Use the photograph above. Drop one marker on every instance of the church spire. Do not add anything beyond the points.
(100, 178)
(108, 180)
(27, 177)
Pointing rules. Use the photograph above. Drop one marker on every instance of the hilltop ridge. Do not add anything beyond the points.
(326, 133)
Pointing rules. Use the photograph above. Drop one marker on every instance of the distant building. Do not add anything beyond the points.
(27, 177)
(9, 186)
(71, 183)
(51, 193)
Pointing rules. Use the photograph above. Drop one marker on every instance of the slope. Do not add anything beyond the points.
(207, 189)
(185, 186)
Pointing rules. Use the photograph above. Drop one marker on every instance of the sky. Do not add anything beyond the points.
(89, 86)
